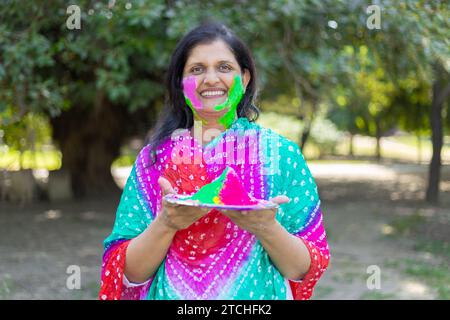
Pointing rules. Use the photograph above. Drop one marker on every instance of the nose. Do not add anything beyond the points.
(211, 77)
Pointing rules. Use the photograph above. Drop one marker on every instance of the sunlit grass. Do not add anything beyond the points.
(333, 161)
(14, 160)
(401, 147)
(376, 295)
(435, 276)
(125, 160)
(402, 226)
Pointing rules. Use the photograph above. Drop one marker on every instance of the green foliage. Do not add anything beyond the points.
(307, 52)
(325, 135)
(32, 132)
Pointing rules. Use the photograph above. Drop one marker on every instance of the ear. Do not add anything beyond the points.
(246, 78)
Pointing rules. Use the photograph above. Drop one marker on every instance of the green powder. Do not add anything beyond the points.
(234, 97)
(210, 192)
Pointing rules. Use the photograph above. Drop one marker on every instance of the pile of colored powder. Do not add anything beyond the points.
(227, 189)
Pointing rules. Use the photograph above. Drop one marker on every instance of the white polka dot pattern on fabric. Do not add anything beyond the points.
(214, 258)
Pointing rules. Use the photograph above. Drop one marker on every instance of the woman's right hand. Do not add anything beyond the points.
(175, 216)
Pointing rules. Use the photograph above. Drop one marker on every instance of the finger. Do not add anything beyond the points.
(166, 187)
(170, 204)
(280, 199)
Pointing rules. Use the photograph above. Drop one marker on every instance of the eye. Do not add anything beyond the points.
(225, 68)
(197, 69)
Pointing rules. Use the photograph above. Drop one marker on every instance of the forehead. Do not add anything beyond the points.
(210, 53)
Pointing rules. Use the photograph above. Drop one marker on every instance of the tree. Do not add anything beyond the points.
(99, 85)
(410, 106)
(415, 39)
(365, 99)
(103, 83)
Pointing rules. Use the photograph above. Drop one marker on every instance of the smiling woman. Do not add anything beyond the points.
(212, 82)
(164, 250)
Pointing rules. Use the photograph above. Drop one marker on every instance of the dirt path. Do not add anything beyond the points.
(38, 243)
(361, 203)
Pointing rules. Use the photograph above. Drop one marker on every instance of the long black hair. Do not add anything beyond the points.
(176, 114)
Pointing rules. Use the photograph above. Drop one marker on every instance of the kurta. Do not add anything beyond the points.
(214, 258)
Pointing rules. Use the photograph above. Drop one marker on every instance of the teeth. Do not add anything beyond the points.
(212, 93)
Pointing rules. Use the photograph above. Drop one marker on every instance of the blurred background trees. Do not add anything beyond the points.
(89, 92)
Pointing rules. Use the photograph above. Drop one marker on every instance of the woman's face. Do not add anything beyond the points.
(208, 76)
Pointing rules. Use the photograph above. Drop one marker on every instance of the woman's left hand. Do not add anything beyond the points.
(256, 221)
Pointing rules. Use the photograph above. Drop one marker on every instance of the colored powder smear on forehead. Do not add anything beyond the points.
(226, 189)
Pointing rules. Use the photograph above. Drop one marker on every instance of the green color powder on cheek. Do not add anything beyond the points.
(234, 97)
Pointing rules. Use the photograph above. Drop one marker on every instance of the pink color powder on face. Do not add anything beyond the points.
(189, 89)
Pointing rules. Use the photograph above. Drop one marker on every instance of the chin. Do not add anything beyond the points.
(210, 105)
(211, 110)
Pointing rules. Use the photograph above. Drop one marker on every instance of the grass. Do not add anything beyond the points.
(437, 248)
(11, 159)
(6, 288)
(394, 147)
(401, 147)
(411, 141)
(376, 295)
(403, 226)
(435, 276)
(345, 161)
(408, 226)
(392, 263)
(93, 288)
(349, 276)
(125, 160)
(321, 292)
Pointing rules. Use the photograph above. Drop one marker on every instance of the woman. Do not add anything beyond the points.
(159, 250)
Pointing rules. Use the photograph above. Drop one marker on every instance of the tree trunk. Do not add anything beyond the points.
(90, 140)
(440, 93)
(308, 124)
(350, 149)
(419, 147)
(378, 137)
(305, 135)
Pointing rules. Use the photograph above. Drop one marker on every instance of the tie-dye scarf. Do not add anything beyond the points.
(213, 258)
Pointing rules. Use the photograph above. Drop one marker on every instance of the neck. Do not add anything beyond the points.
(213, 126)
(205, 131)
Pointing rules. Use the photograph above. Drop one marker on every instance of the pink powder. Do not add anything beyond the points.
(233, 191)
(189, 88)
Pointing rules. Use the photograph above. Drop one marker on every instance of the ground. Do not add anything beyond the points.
(372, 213)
